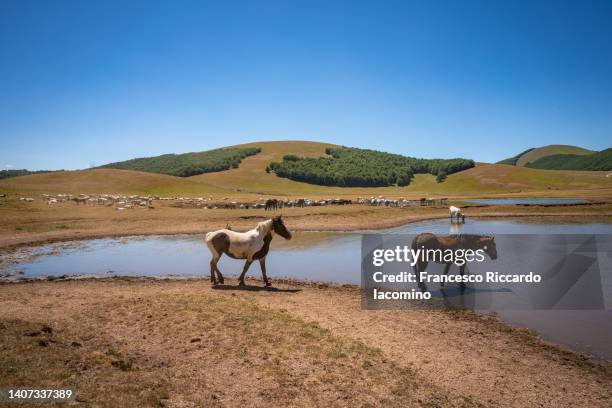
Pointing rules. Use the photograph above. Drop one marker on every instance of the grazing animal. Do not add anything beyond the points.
(430, 241)
(250, 245)
(271, 204)
(80, 200)
(456, 212)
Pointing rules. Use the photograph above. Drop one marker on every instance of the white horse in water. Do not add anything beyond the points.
(456, 213)
(250, 245)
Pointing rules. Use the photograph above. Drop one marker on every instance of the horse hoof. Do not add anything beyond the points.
(268, 284)
(241, 283)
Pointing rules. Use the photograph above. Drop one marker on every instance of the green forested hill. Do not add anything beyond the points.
(352, 167)
(597, 161)
(533, 154)
(188, 164)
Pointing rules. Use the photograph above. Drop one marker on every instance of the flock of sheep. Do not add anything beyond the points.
(124, 202)
(120, 202)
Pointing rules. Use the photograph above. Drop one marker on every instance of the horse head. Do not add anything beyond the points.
(279, 227)
(490, 247)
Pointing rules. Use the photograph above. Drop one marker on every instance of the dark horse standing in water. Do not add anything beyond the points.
(430, 241)
(250, 245)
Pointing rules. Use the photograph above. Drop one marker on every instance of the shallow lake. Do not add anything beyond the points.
(315, 256)
(500, 201)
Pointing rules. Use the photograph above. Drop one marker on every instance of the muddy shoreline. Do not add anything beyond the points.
(25, 251)
(38, 240)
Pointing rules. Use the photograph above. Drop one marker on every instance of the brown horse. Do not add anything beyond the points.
(271, 204)
(430, 241)
(250, 245)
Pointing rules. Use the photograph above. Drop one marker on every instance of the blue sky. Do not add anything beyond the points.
(89, 82)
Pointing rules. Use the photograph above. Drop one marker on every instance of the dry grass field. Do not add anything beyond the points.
(105, 181)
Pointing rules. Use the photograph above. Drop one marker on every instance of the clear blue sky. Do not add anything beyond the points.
(90, 82)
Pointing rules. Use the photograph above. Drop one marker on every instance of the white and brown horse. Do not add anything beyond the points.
(251, 245)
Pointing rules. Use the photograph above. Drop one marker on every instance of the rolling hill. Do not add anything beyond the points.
(251, 180)
(514, 159)
(601, 161)
(188, 164)
(480, 180)
(97, 181)
(4, 174)
(533, 154)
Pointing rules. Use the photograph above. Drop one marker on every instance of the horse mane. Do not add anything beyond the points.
(265, 226)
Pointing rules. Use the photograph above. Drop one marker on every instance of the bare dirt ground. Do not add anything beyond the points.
(181, 343)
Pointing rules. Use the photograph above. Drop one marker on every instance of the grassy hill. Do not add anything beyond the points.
(502, 179)
(598, 161)
(188, 164)
(480, 180)
(96, 181)
(251, 180)
(549, 150)
(4, 174)
(533, 154)
(512, 160)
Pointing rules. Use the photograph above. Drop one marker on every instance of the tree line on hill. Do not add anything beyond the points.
(353, 167)
(513, 160)
(4, 174)
(601, 161)
(188, 164)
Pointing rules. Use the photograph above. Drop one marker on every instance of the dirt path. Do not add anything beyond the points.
(173, 339)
